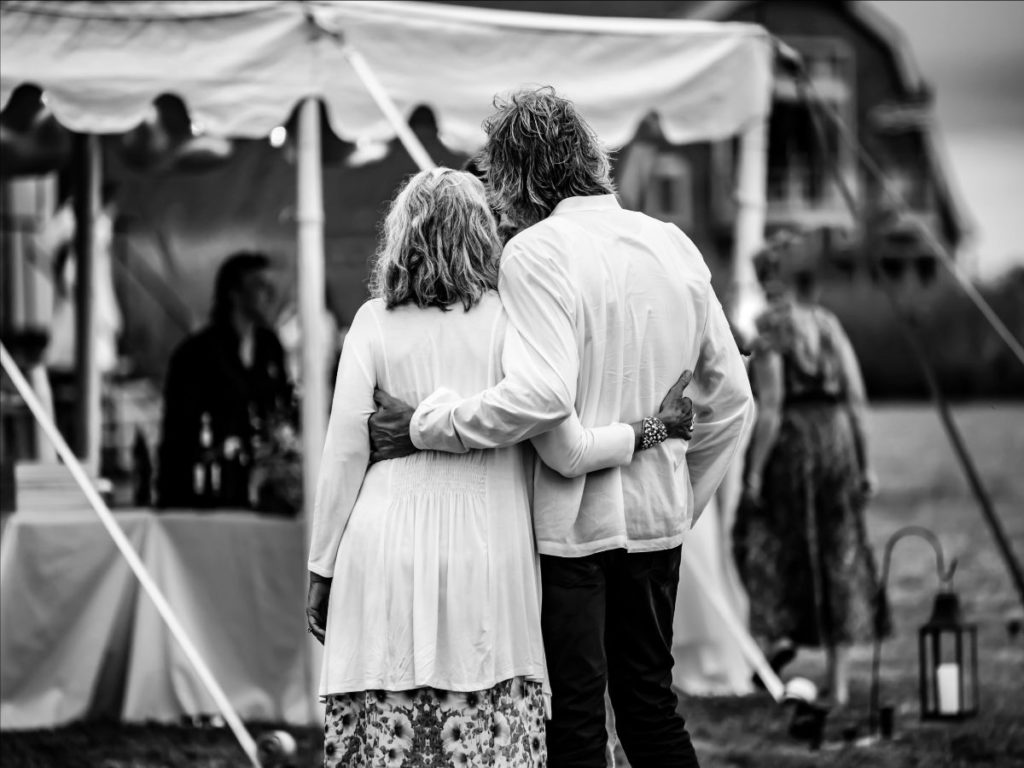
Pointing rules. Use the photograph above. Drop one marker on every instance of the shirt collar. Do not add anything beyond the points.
(586, 203)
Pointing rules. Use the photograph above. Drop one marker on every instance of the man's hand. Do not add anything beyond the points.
(316, 605)
(676, 410)
(389, 428)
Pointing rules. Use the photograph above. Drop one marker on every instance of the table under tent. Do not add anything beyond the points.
(75, 630)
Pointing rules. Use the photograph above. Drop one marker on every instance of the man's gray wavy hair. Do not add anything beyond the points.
(540, 151)
(439, 245)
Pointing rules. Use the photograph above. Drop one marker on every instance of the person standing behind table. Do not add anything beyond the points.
(800, 539)
(224, 384)
(611, 306)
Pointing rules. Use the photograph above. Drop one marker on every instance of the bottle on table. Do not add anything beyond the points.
(206, 474)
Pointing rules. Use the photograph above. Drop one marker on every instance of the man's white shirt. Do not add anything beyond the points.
(608, 308)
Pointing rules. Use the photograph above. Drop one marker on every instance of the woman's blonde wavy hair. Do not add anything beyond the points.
(439, 245)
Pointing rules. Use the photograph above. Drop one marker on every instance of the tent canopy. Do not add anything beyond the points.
(242, 66)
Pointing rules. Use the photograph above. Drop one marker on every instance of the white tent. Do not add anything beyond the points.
(242, 66)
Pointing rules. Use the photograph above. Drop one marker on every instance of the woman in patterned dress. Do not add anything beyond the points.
(799, 539)
(424, 577)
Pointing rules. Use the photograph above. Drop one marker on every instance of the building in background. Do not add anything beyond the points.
(182, 212)
(861, 68)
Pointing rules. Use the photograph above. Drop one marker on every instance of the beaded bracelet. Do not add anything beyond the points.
(653, 431)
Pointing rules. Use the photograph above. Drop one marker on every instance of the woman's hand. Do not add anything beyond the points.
(676, 410)
(316, 605)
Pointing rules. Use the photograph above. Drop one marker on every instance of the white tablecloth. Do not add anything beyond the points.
(78, 637)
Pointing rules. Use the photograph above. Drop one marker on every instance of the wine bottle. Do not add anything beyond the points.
(205, 478)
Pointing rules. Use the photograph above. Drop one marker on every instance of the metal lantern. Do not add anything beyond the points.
(947, 647)
(948, 657)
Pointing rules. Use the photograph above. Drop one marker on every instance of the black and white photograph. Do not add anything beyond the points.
(511, 384)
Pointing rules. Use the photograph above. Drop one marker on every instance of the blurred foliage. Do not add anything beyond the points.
(970, 359)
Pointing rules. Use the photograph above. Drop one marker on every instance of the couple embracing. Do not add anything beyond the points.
(508, 550)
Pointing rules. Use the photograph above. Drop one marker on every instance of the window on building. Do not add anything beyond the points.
(839, 252)
(666, 193)
(800, 159)
(845, 267)
(927, 267)
(670, 191)
(910, 185)
(799, 166)
(893, 267)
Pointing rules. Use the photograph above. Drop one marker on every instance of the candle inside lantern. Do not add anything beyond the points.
(948, 679)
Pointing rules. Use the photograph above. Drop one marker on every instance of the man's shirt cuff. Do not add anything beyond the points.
(432, 427)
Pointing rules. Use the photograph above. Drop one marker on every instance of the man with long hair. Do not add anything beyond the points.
(610, 306)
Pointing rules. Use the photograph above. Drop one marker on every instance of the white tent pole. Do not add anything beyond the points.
(744, 300)
(311, 295)
(131, 556)
(310, 281)
(745, 297)
(412, 144)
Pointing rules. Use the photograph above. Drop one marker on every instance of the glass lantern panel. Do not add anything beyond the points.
(927, 658)
(949, 672)
(970, 672)
(949, 647)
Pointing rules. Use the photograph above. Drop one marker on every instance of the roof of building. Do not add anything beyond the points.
(911, 80)
(869, 18)
(872, 20)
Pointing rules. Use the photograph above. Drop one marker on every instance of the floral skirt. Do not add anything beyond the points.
(502, 727)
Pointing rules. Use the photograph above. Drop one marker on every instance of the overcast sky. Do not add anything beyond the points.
(973, 55)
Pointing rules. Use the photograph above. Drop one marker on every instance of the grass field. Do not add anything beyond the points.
(921, 484)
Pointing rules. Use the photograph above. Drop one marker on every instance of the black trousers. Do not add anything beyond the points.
(607, 622)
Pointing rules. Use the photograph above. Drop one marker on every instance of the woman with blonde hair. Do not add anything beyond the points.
(424, 581)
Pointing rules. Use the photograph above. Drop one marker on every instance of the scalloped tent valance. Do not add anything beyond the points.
(242, 66)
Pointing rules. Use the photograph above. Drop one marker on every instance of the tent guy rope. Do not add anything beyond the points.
(751, 651)
(792, 59)
(819, 107)
(231, 717)
(380, 96)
